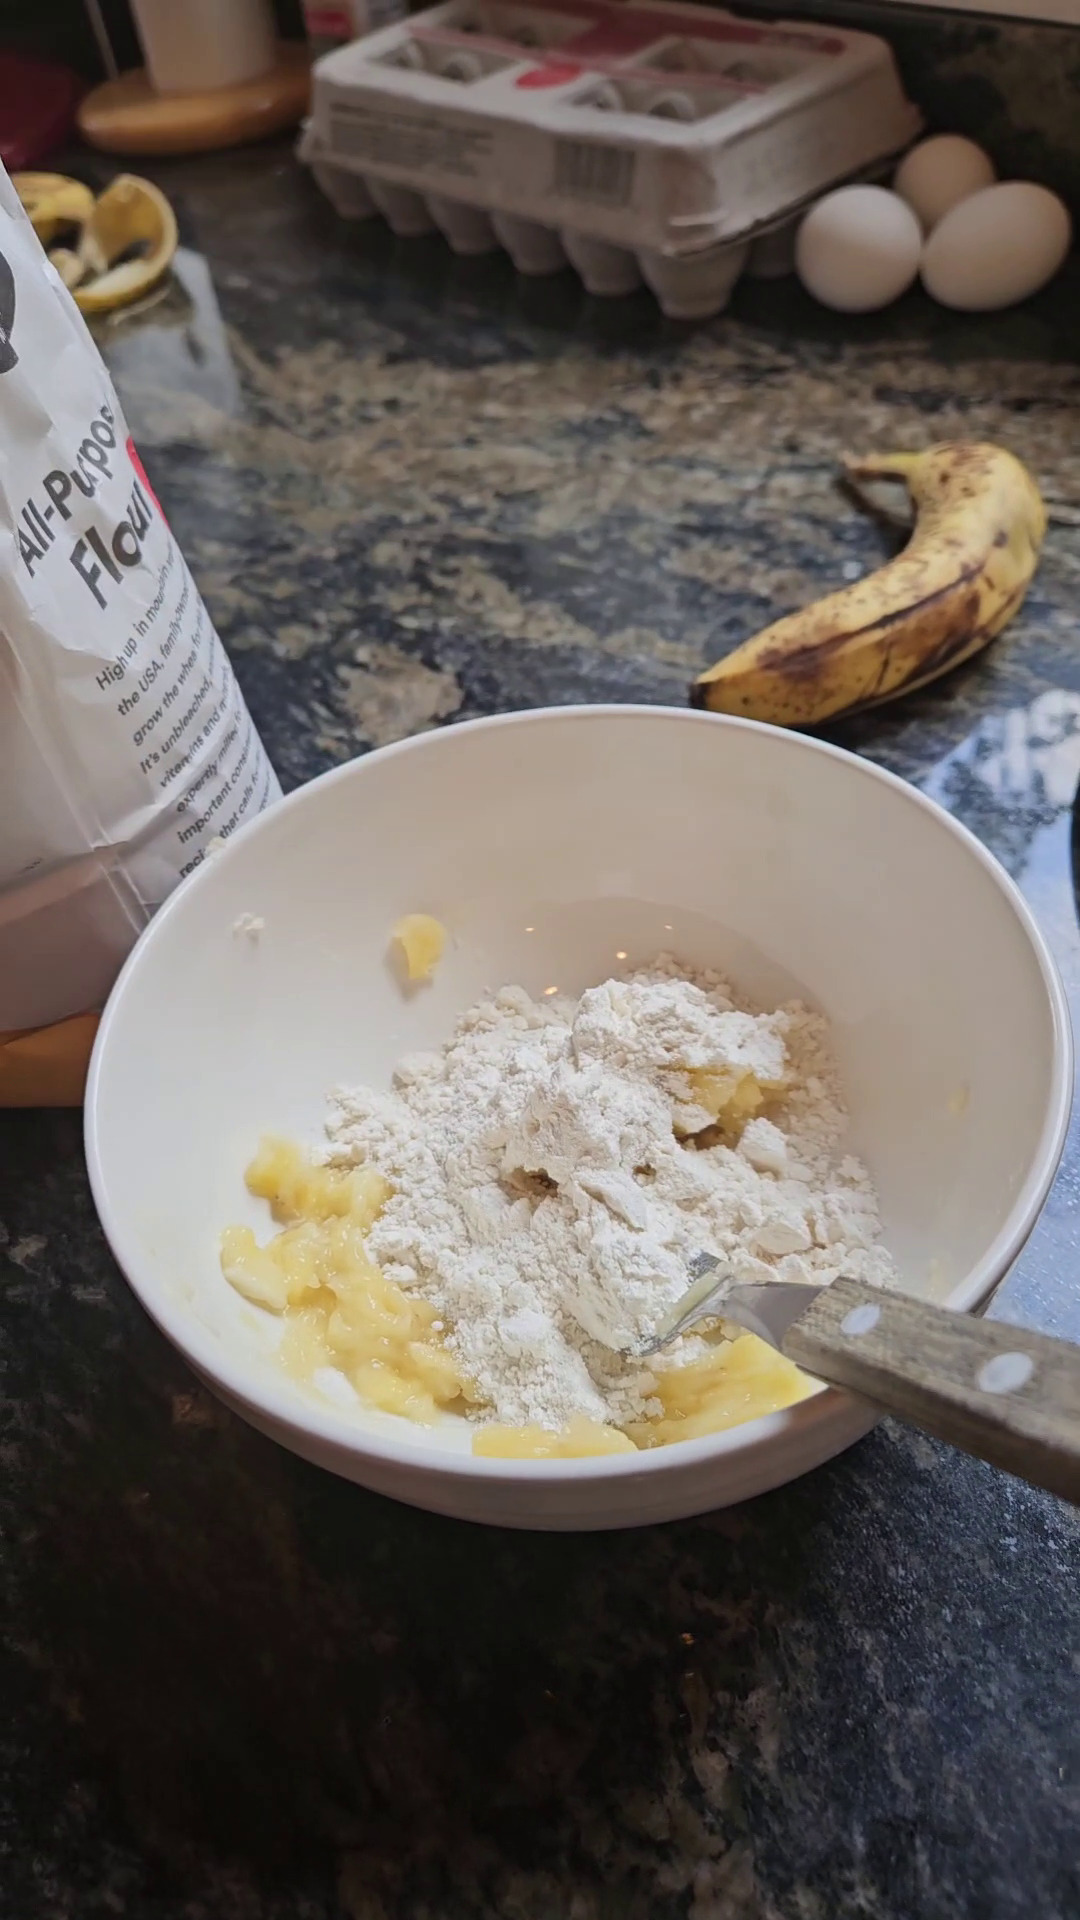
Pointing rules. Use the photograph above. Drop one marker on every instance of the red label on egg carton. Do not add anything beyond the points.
(555, 74)
(329, 20)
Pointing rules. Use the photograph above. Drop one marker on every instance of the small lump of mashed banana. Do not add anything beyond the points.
(422, 942)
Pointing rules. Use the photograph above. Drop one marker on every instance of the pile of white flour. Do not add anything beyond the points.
(546, 1206)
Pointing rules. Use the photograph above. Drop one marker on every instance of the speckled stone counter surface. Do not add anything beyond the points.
(415, 490)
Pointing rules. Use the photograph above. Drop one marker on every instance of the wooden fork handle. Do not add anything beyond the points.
(1009, 1396)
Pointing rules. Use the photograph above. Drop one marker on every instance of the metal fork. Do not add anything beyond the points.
(1000, 1392)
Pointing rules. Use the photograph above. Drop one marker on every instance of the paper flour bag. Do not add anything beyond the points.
(125, 745)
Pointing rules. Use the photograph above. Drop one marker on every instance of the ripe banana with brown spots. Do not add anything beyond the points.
(979, 524)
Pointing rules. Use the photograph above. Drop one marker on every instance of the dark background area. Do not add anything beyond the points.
(60, 30)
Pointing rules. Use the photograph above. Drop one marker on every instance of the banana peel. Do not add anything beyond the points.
(979, 525)
(124, 240)
(132, 216)
(53, 202)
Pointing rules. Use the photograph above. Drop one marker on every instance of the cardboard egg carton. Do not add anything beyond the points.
(632, 140)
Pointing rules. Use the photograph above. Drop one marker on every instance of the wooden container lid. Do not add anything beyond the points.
(127, 116)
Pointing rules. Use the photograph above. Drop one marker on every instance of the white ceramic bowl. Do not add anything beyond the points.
(550, 843)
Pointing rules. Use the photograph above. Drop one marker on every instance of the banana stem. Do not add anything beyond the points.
(881, 466)
(859, 474)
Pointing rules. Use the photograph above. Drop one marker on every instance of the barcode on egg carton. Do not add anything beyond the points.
(632, 141)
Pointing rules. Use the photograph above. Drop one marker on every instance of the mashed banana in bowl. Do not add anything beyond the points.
(497, 1235)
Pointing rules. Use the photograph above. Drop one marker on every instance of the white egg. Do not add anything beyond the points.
(858, 249)
(997, 247)
(937, 174)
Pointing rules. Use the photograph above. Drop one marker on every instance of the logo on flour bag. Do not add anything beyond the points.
(140, 472)
(8, 356)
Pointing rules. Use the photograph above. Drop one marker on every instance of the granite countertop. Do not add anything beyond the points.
(415, 489)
